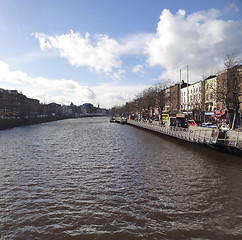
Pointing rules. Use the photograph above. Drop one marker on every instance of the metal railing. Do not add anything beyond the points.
(234, 139)
(203, 135)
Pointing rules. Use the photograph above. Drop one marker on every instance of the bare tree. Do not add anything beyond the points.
(233, 94)
(160, 96)
(147, 100)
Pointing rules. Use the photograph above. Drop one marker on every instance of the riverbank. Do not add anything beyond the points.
(19, 122)
(228, 140)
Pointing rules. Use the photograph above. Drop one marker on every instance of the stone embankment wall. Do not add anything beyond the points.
(18, 122)
(228, 139)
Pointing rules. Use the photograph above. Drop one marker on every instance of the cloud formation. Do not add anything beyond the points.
(65, 91)
(116, 94)
(119, 73)
(99, 54)
(139, 69)
(198, 40)
(46, 90)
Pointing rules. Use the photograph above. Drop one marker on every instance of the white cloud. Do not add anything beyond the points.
(134, 44)
(119, 73)
(198, 40)
(139, 69)
(231, 8)
(65, 91)
(46, 90)
(116, 94)
(100, 54)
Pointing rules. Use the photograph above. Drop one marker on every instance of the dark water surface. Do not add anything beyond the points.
(90, 179)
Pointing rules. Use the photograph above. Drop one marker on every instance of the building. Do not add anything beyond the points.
(167, 98)
(191, 97)
(210, 86)
(229, 93)
(52, 109)
(191, 100)
(175, 98)
(11, 102)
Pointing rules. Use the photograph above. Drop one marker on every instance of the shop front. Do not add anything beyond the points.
(209, 117)
(220, 116)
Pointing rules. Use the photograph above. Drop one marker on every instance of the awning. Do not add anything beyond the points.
(220, 113)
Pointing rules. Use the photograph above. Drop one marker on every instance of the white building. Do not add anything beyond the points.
(191, 97)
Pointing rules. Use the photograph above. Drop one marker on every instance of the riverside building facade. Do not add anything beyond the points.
(206, 100)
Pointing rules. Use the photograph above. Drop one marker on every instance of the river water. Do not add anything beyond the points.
(90, 179)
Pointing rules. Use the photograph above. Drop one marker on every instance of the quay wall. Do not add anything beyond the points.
(229, 140)
(18, 122)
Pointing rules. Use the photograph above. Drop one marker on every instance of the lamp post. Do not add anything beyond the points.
(180, 108)
(187, 89)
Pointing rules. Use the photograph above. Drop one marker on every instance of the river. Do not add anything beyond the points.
(90, 179)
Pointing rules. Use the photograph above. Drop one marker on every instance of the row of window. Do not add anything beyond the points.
(190, 107)
(198, 89)
(193, 90)
(191, 98)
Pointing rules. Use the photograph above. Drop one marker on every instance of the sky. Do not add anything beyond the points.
(107, 51)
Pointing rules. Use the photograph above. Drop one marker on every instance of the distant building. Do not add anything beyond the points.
(53, 109)
(88, 108)
(67, 110)
(11, 102)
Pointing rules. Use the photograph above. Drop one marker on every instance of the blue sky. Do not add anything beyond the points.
(107, 51)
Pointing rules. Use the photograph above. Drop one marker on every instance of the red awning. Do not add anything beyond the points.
(220, 113)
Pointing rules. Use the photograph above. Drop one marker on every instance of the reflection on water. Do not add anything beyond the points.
(89, 179)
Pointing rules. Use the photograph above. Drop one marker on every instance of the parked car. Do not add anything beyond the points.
(192, 123)
(198, 122)
(224, 127)
(208, 125)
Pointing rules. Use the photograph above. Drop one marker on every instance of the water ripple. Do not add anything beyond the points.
(88, 179)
